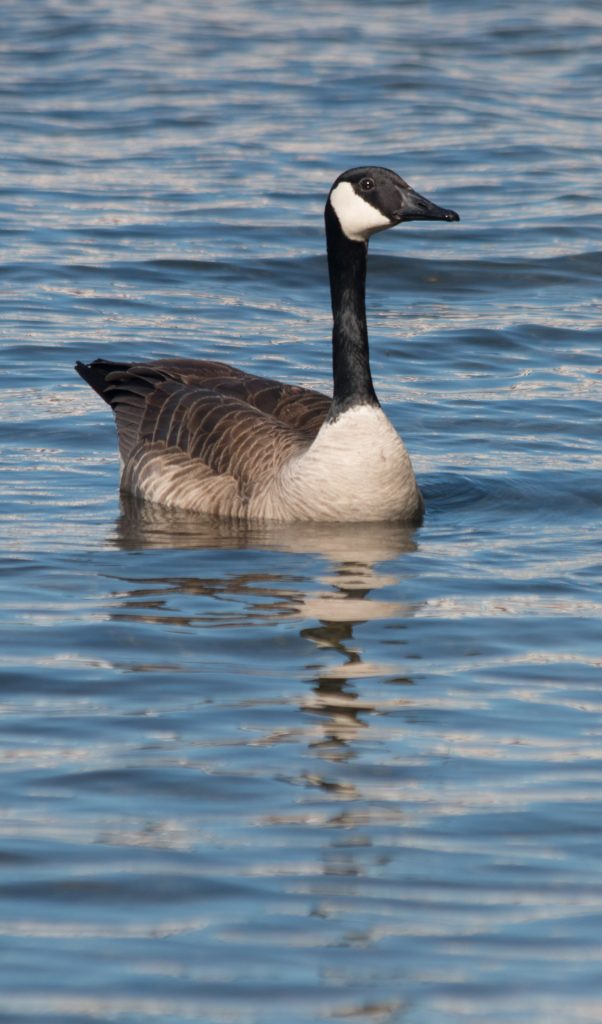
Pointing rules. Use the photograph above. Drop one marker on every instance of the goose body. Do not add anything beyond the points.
(207, 437)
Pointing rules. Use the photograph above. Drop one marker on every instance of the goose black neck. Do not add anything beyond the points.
(350, 355)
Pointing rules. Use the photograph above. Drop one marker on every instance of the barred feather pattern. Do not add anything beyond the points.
(202, 435)
(205, 437)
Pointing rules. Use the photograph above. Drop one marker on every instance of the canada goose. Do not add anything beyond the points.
(209, 438)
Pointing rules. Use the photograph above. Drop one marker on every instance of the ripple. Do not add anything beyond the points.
(265, 773)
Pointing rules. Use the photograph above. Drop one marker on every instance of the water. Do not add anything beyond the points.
(266, 774)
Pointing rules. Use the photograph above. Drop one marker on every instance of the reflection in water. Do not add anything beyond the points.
(143, 525)
(331, 606)
(344, 599)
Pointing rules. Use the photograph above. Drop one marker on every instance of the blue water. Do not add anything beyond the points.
(262, 774)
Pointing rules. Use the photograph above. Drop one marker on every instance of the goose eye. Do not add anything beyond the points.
(366, 184)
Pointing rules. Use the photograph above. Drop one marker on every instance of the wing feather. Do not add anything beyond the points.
(201, 433)
(297, 406)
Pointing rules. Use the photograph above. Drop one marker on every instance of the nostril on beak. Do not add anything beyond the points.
(417, 207)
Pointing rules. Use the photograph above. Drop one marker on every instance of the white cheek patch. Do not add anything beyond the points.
(358, 219)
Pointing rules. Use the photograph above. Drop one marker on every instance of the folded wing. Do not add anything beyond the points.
(202, 434)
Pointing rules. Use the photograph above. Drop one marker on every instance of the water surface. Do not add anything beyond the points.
(257, 773)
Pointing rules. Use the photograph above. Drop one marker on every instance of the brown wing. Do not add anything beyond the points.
(299, 407)
(233, 423)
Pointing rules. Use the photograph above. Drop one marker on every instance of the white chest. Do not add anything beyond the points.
(357, 470)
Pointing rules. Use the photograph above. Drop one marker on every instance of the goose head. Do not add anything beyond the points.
(370, 199)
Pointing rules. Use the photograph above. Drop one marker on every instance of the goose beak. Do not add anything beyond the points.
(415, 207)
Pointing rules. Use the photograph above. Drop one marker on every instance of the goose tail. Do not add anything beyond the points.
(96, 375)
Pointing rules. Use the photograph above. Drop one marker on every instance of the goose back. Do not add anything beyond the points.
(202, 435)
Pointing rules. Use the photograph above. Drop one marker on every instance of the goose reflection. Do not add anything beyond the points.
(334, 695)
(356, 546)
(334, 602)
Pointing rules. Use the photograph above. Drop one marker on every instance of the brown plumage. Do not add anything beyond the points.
(203, 424)
(206, 437)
